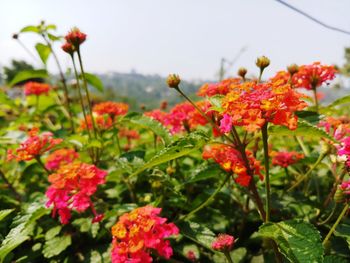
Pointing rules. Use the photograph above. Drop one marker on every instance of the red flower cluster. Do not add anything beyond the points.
(74, 39)
(157, 115)
(313, 76)
(251, 105)
(184, 117)
(223, 243)
(71, 187)
(284, 159)
(35, 146)
(138, 233)
(36, 88)
(111, 108)
(221, 88)
(231, 161)
(60, 157)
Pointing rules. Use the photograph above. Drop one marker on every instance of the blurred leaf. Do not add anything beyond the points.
(51, 233)
(94, 81)
(204, 172)
(197, 233)
(4, 213)
(94, 143)
(340, 101)
(179, 148)
(51, 27)
(304, 129)
(56, 245)
(34, 29)
(334, 259)
(44, 51)
(149, 123)
(309, 116)
(53, 37)
(297, 240)
(28, 74)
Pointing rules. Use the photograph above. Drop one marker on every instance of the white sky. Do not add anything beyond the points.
(188, 37)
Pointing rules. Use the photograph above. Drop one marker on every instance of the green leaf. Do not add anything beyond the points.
(53, 37)
(24, 225)
(4, 213)
(94, 81)
(148, 123)
(304, 129)
(34, 29)
(197, 233)
(28, 74)
(53, 232)
(204, 172)
(56, 245)
(337, 102)
(44, 51)
(298, 241)
(334, 259)
(94, 143)
(177, 149)
(309, 116)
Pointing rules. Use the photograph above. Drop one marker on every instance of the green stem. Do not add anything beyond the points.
(80, 96)
(302, 178)
(315, 98)
(228, 257)
(302, 145)
(10, 186)
(38, 159)
(210, 198)
(87, 91)
(63, 80)
(345, 209)
(117, 139)
(267, 171)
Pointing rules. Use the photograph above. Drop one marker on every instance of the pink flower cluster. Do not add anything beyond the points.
(344, 150)
(60, 157)
(71, 187)
(138, 233)
(223, 243)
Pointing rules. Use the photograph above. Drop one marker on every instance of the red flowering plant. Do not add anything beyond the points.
(158, 185)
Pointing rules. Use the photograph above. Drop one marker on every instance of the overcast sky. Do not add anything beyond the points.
(188, 37)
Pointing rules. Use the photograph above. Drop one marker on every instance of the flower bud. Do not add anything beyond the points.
(68, 48)
(242, 72)
(15, 36)
(262, 62)
(170, 170)
(223, 243)
(339, 196)
(292, 69)
(173, 81)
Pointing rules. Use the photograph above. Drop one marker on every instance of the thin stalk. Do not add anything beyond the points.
(210, 198)
(267, 170)
(202, 113)
(345, 209)
(27, 50)
(63, 80)
(302, 145)
(117, 139)
(228, 256)
(315, 98)
(260, 75)
(38, 160)
(10, 186)
(80, 96)
(334, 189)
(302, 178)
(87, 91)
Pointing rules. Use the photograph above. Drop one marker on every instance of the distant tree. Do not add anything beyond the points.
(346, 67)
(17, 66)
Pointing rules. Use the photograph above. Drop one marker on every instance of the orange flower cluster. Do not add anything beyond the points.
(251, 105)
(138, 233)
(231, 161)
(103, 122)
(36, 88)
(71, 187)
(221, 88)
(35, 146)
(111, 108)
